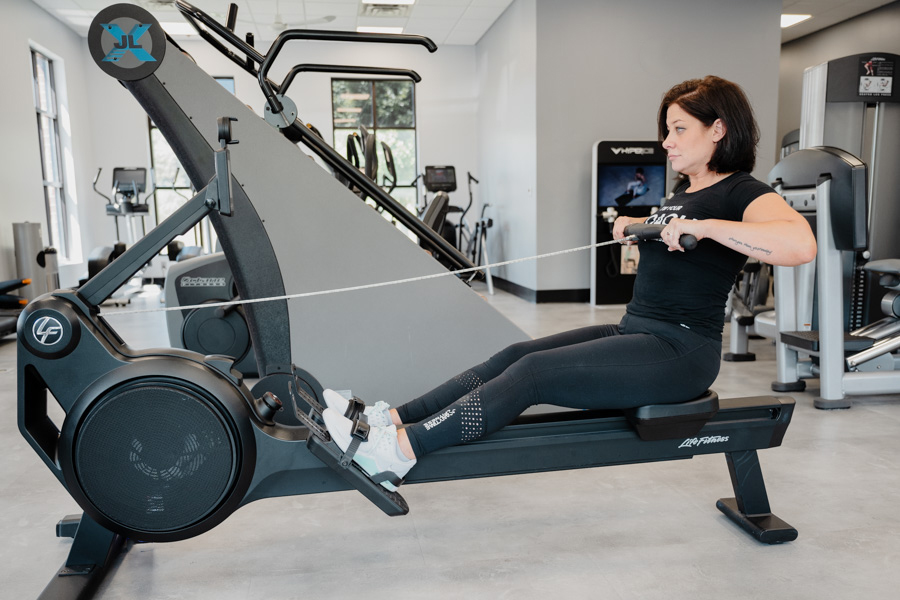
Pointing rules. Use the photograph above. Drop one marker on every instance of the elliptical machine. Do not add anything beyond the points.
(128, 183)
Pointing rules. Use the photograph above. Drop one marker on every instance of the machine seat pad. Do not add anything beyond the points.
(670, 421)
(809, 341)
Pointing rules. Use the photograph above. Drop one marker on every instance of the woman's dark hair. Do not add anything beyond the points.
(714, 98)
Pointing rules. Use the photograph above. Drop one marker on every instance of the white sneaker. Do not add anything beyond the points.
(380, 454)
(378, 415)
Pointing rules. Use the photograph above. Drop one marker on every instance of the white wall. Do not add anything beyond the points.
(446, 108)
(601, 69)
(520, 110)
(105, 126)
(507, 122)
(875, 31)
(110, 129)
(119, 130)
(446, 98)
(20, 161)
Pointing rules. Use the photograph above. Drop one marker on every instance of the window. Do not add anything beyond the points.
(47, 107)
(387, 108)
(173, 188)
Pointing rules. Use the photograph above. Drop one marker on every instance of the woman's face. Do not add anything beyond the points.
(690, 144)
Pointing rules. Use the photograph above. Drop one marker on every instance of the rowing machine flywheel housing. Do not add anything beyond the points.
(157, 445)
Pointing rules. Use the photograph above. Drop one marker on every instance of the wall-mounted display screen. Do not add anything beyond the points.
(630, 185)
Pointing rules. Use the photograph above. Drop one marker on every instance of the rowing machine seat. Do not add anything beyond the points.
(668, 421)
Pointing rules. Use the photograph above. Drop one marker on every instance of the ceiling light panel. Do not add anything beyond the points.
(791, 20)
(378, 29)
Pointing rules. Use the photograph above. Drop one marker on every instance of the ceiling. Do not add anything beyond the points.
(825, 14)
(460, 22)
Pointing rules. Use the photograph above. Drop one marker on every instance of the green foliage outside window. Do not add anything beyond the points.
(387, 109)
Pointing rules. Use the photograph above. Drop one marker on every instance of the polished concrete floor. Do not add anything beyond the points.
(631, 532)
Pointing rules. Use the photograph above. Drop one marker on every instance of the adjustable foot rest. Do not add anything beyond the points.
(669, 421)
(328, 452)
(323, 447)
(739, 357)
(766, 528)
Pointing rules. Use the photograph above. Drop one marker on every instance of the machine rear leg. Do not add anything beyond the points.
(750, 506)
(93, 550)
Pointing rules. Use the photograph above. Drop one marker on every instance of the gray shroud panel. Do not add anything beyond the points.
(391, 343)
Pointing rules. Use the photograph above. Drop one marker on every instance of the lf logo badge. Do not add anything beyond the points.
(51, 329)
(127, 42)
(47, 331)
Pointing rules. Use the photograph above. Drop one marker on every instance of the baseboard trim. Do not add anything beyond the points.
(542, 296)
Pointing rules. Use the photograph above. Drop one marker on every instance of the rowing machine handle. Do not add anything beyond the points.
(650, 231)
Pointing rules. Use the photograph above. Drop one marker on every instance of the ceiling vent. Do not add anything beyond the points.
(392, 11)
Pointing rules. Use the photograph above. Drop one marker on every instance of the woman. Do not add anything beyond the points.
(636, 187)
(667, 348)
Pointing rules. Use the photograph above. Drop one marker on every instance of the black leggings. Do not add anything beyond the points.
(639, 361)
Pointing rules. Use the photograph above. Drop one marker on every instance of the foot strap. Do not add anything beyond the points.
(355, 409)
(359, 432)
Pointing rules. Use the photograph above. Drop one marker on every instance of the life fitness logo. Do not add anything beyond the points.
(47, 331)
(126, 42)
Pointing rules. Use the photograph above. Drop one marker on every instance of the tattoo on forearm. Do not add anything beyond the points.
(749, 247)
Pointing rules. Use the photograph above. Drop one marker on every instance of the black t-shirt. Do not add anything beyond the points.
(691, 288)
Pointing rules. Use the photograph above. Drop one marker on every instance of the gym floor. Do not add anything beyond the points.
(630, 532)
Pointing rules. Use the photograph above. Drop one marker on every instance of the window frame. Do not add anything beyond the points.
(204, 235)
(412, 185)
(182, 190)
(57, 213)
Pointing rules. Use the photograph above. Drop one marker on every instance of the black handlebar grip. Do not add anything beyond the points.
(652, 231)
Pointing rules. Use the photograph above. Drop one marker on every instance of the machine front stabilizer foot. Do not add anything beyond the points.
(766, 528)
(93, 551)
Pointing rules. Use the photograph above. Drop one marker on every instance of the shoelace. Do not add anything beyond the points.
(382, 437)
(381, 410)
